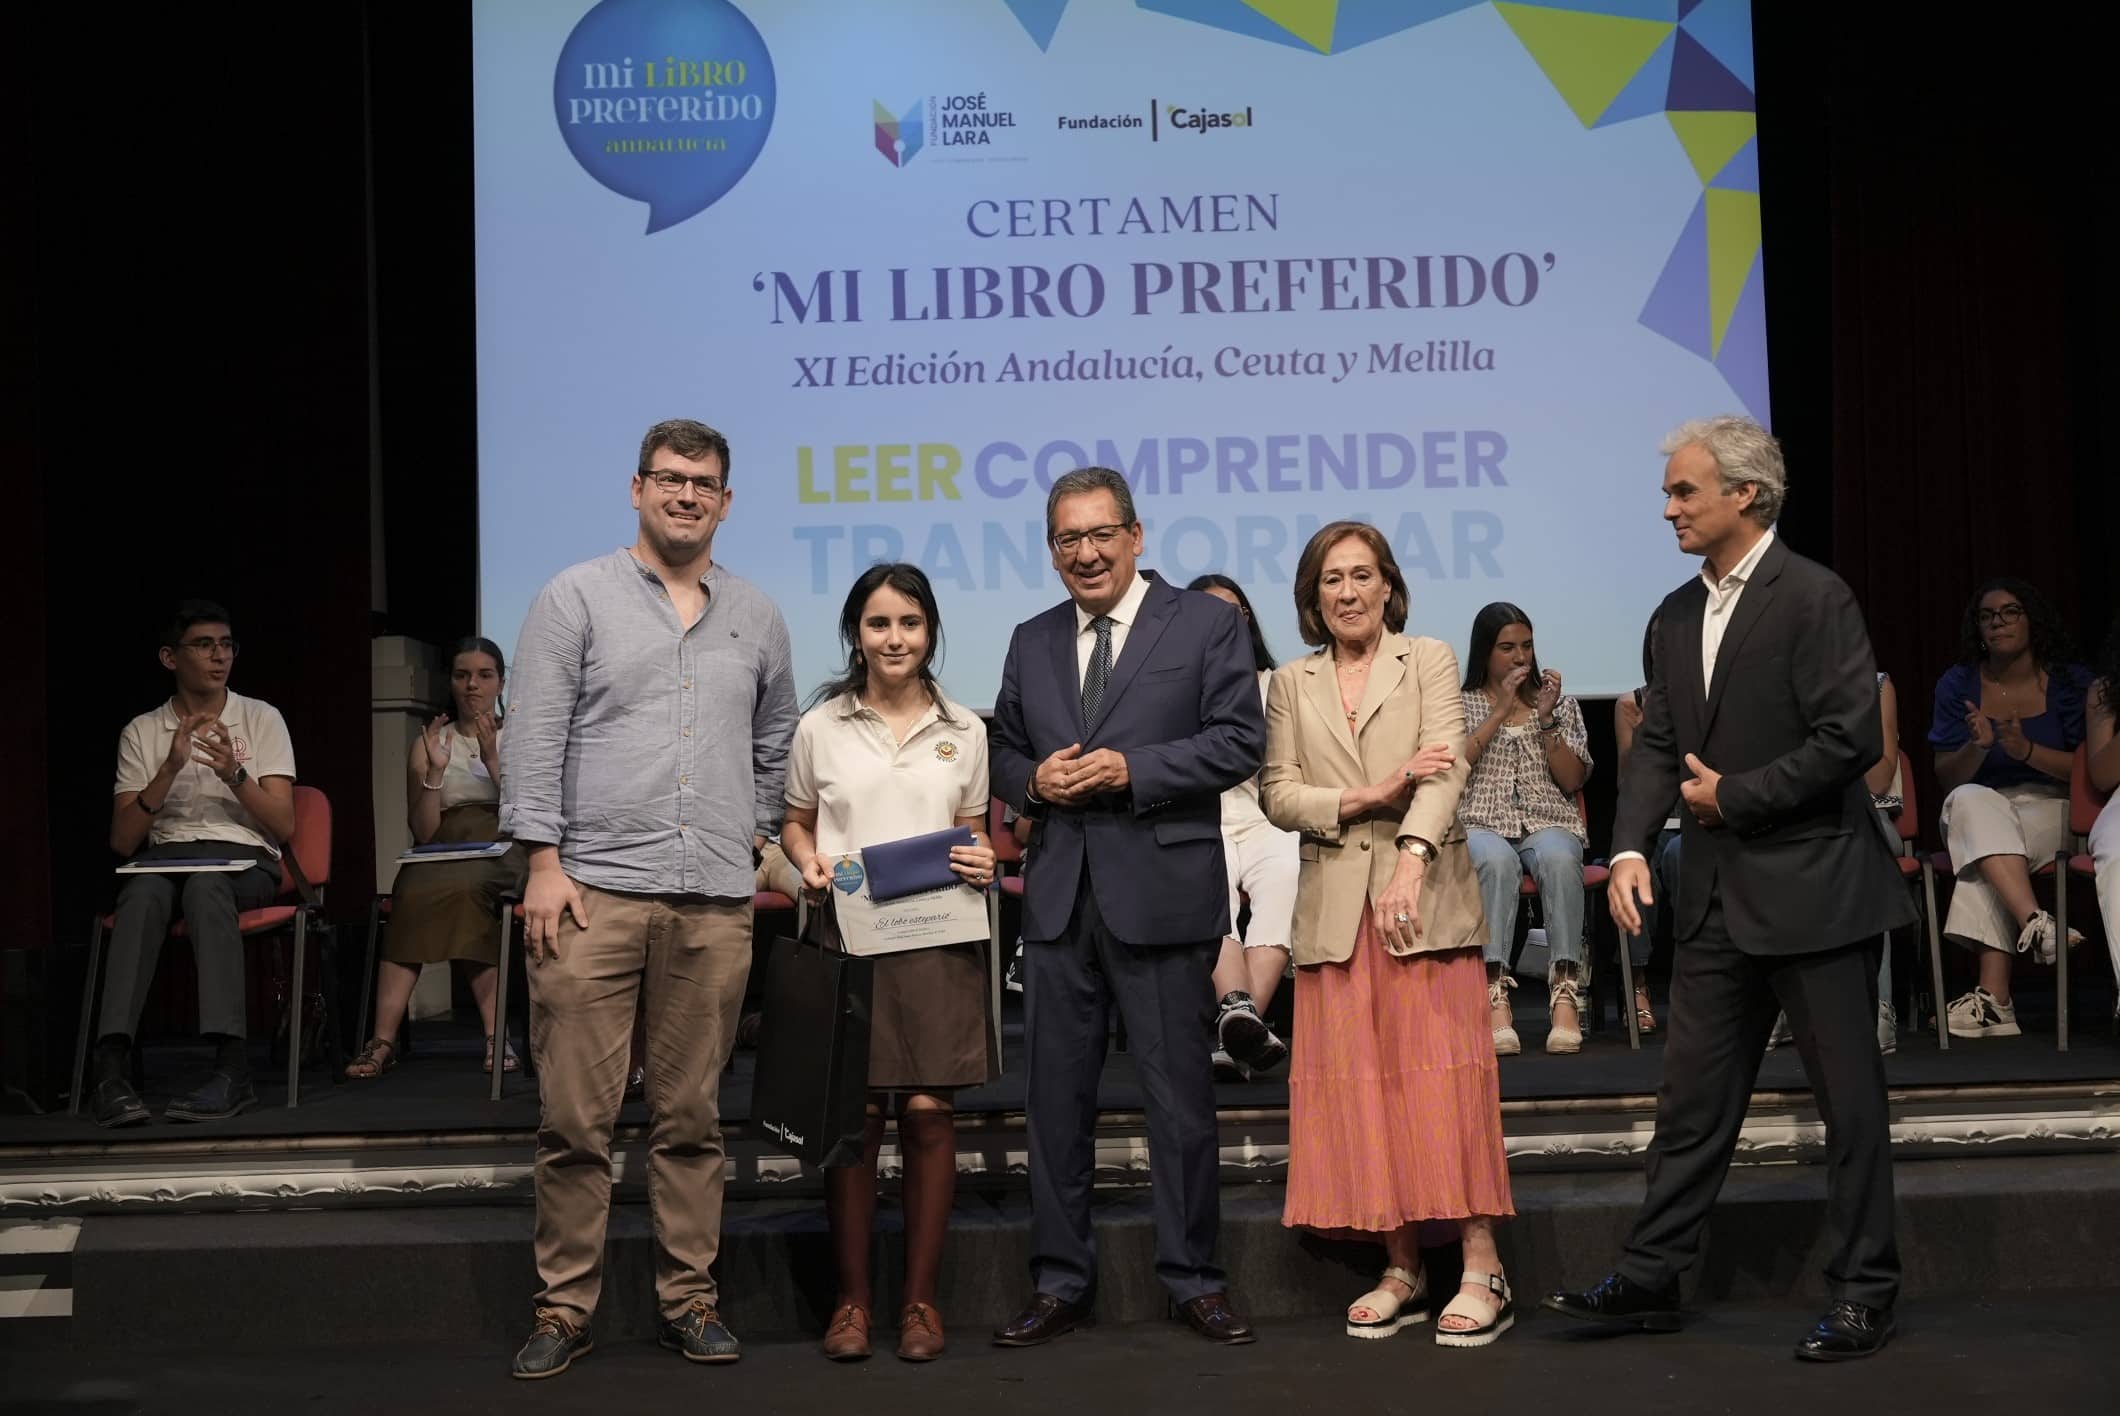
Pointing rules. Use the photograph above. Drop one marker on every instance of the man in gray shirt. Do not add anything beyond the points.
(646, 764)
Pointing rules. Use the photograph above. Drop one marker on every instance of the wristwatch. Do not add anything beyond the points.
(236, 782)
(1418, 848)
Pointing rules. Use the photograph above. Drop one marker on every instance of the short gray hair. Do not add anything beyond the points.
(1743, 452)
(1090, 479)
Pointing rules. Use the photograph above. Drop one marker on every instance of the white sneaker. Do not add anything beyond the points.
(1977, 1014)
(1781, 1036)
(2037, 937)
(1887, 1029)
(1506, 1042)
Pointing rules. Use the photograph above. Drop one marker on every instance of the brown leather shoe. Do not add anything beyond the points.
(919, 1332)
(1045, 1319)
(1211, 1316)
(847, 1339)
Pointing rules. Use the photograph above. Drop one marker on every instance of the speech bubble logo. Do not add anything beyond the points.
(667, 102)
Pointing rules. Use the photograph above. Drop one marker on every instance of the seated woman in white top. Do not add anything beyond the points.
(881, 755)
(1530, 755)
(1261, 860)
(444, 910)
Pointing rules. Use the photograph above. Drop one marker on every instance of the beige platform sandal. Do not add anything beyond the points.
(1564, 988)
(1466, 1305)
(1506, 1042)
(1386, 1313)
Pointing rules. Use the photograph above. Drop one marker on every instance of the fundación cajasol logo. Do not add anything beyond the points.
(1186, 120)
(667, 102)
(899, 139)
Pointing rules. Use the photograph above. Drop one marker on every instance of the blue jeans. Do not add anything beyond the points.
(1555, 860)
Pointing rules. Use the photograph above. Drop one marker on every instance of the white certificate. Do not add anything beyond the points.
(954, 914)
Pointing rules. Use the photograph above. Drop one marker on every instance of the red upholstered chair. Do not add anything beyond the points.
(2084, 803)
(1007, 853)
(305, 870)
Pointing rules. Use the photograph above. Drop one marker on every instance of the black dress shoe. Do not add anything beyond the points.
(1620, 1302)
(1045, 1319)
(115, 1103)
(221, 1096)
(1847, 1331)
(1211, 1316)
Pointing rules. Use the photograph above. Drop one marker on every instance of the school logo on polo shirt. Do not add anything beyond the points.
(946, 750)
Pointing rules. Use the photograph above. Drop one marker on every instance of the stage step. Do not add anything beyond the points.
(463, 1274)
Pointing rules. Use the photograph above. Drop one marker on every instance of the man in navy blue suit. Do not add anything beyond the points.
(1123, 715)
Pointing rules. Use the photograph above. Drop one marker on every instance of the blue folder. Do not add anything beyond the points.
(917, 863)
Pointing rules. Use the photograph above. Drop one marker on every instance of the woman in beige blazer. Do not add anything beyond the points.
(1394, 1096)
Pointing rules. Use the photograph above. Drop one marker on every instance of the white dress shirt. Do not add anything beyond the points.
(1122, 615)
(1715, 620)
(1722, 606)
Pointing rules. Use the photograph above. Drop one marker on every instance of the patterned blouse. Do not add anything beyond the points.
(1511, 791)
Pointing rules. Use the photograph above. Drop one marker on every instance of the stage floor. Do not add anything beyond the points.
(2047, 1352)
(442, 1091)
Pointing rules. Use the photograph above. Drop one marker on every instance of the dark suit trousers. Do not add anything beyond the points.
(1164, 995)
(1723, 1003)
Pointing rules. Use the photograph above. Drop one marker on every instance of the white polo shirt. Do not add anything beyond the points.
(199, 806)
(867, 787)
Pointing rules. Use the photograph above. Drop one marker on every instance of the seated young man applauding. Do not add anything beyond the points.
(208, 773)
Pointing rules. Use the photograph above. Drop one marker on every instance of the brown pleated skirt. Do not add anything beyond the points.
(931, 1027)
(446, 910)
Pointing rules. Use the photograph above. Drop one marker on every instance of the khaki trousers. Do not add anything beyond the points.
(691, 956)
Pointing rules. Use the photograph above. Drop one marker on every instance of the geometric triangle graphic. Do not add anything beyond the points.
(1589, 58)
(1687, 7)
(1743, 360)
(1361, 21)
(1712, 139)
(1039, 18)
(1699, 81)
(1308, 20)
(1724, 29)
(1662, 10)
(1232, 16)
(1644, 93)
(1678, 307)
(1733, 244)
(1742, 175)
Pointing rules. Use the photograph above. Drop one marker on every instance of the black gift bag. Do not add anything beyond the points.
(813, 1045)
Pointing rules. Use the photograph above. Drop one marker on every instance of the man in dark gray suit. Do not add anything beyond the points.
(1762, 714)
(1124, 712)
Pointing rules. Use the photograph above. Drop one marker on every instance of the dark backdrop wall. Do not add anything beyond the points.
(246, 332)
(197, 290)
(1936, 303)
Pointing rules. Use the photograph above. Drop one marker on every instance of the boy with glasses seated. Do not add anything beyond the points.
(209, 773)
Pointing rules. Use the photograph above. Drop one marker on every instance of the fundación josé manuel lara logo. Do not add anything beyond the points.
(898, 139)
(952, 120)
(667, 102)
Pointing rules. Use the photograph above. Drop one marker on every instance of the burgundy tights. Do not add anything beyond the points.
(927, 1143)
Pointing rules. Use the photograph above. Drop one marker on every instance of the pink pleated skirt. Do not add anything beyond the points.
(1394, 1097)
